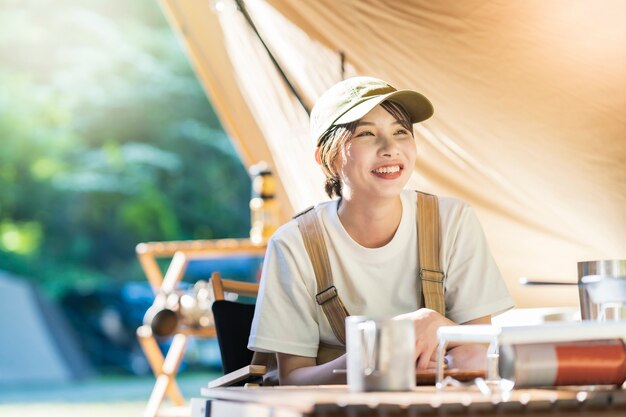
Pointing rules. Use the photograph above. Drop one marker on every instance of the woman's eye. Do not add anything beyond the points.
(402, 132)
(364, 133)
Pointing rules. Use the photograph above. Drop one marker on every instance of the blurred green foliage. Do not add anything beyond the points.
(106, 140)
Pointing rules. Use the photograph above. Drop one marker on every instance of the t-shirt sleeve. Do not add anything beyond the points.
(285, 314)
(474, 285)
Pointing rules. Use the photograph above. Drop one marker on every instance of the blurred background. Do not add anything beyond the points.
(107, 140)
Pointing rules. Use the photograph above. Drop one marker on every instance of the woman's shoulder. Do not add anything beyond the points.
(453, 205)
(446, 203)
(286, 233)
(289, 233)
(457, 214)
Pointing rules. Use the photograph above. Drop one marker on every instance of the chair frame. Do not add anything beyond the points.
(165, 367)
(221, 286)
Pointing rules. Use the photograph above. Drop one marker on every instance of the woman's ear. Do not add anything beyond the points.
(317, 156)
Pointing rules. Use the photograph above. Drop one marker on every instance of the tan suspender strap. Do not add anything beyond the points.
(327, 296)
(429, 241)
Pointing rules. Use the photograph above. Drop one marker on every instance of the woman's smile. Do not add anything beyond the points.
(388, 172)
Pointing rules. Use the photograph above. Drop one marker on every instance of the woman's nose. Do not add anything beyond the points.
(388, 147)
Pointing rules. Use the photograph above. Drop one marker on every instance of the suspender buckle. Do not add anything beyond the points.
(431, 275)
(326, 295)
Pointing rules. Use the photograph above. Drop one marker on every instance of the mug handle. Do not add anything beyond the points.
(370, 345)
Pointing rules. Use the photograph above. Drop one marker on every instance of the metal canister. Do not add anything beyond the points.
(591, 275)
(593, 362)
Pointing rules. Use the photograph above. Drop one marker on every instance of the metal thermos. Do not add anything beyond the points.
(602, 284)
(601, 289)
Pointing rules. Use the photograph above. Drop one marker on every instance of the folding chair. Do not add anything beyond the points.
(180, 253)
(232, 324)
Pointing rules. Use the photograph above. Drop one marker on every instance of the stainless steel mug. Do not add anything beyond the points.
(380, 354)
(602, 289)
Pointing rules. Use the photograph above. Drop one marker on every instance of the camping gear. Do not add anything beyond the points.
(381, 354)
(596, 362)
(264, 209)
(602, 288)
(183, 307)
(550, 354)
(38, 346)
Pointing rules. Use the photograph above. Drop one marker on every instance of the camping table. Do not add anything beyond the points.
(331, 401)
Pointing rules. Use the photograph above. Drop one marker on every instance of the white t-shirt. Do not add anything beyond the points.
(380, 282)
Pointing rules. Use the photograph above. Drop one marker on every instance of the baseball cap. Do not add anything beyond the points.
(352, 98)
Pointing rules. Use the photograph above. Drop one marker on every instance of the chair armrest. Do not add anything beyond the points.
(240, 376)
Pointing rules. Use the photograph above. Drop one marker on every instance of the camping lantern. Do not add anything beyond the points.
(263, 205)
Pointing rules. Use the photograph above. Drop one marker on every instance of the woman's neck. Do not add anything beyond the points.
(372, 224)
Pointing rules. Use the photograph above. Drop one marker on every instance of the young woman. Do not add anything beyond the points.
(363, 132)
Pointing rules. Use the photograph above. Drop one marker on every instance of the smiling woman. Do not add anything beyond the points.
(358, 254)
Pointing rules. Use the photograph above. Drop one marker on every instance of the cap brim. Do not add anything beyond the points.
(418, 106)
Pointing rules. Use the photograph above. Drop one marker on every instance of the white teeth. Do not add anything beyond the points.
(387, 170)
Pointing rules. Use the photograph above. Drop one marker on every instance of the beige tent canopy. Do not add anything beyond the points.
(529, 97)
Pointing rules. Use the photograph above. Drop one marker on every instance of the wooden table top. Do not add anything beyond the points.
(314, 400)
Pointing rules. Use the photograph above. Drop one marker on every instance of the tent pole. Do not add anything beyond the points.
(242, 8)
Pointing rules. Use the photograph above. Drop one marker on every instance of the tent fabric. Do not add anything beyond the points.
(199, 29)
(37, 343)
(529, 98)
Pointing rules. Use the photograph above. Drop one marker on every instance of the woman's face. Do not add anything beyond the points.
(378, 159)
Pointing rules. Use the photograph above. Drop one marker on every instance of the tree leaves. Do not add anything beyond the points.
(107, 140)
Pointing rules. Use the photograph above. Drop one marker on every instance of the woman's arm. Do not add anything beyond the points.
(301, 370)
